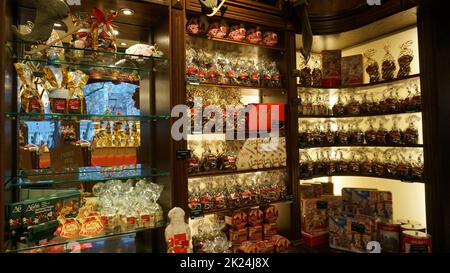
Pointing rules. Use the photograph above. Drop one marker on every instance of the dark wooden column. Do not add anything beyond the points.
(178, 96)
(434, 37)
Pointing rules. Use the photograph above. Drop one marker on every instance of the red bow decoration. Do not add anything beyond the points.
(101, 19)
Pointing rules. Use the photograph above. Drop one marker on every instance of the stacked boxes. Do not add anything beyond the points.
(362, 210)
(318, 204)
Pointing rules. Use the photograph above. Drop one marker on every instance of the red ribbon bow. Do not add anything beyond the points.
(101, 18)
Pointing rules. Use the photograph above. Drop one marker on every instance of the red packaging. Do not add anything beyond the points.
(271, 214)
(316, 239)
(270, 229)
(416, 242)
(331, 60)
(281, 244)
(178, 243)
(265, 246)
(238, 236)
(255, 217)
(237, 220)
(255, 233)
(262, 114)
(247, 247)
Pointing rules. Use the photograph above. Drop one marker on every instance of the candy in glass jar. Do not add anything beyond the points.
(218, 194)
(342, 135)
(342, 164)
(254, 35)
(305, 75)
(403, 166)
(356, 134)
(353, 106)
(405, 59)
(388, 65)
(366, 164)
(316, 74)
(206, 198)
(372, 67)
(238, 32)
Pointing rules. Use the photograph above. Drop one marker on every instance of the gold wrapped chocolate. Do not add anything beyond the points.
(57, 81)
(29, 95)
(75, 83)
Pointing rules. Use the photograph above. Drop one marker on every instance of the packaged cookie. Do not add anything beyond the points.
(197, 25)
(254, 35)
(270, 38)
(238, 32)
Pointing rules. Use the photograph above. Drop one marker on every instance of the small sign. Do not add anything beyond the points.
(418, 249)
(322, 205)
(66, 156)
(360, 228)
(183, 154)
(196, 213)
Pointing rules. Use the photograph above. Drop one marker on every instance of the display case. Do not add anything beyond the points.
(85, 128)
(360, 126)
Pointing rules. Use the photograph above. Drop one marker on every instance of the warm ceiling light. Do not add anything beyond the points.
(127, 11)
(57, 25)
(116, 32)
(123, 44)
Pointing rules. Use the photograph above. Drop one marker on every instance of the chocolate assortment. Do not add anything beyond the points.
(389, 163)
(235, 191)
(231, 31)
(231, 68)
(349, 132)
(401, 98)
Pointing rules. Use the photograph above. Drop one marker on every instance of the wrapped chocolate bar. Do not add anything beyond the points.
(238, 32)
(197, 25)
(76, 80)
(405, 59)
(218, 29)
(388, 66)
(57, 82)
(254, 35)
(103, 34)
(372, 67)
(29, 95)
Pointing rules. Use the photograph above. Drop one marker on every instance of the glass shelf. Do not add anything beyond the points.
(84, 175)
(59, 246)
(91, 58)
(57, 117)
(365, 85)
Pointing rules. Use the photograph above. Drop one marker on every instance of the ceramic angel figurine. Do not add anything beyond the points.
(178, 233)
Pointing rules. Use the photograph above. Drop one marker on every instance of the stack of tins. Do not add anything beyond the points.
(404, 236)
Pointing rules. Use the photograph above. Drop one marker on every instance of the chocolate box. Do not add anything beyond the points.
(371, 203)
(270, 229)
(314, 215)
(37, 211)
(238, 236)
(306, 191)
(352, 234)
(331, 66)
(352, 70)
(255, 233)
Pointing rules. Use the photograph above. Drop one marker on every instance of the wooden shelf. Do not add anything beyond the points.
(362, 175)
(358, 116)
(279, 89)
(228, 41)
(360, 145)
(219, 173)
(227, 210)
(364, 85)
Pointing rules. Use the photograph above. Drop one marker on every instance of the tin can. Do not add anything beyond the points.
(389, 237)
(413, 227)
(416, 242)
(406, 221)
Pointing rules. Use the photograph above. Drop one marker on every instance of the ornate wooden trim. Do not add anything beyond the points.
(359, 16)
(246, 11)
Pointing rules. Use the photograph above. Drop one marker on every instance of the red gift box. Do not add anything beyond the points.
(260, 116)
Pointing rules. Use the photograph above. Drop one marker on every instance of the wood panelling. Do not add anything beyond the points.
(242, 11)
(434, 41)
